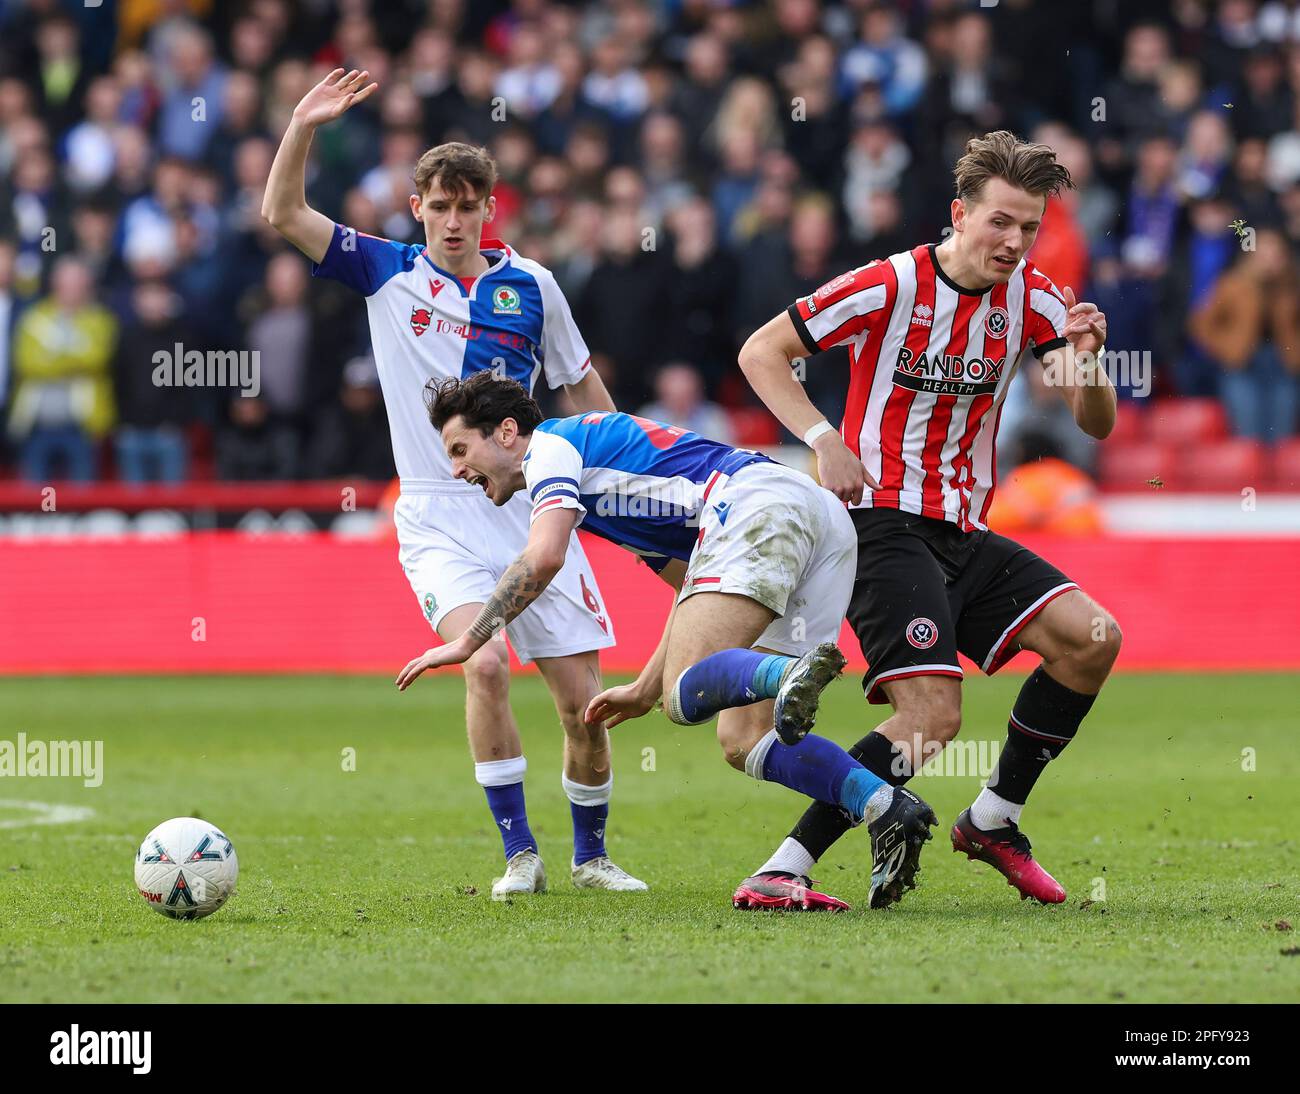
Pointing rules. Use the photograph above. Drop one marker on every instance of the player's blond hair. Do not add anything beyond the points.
(458, 168)
(1003, 155)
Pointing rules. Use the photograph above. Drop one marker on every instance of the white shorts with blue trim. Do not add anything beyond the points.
(454, 545)
(772, 534)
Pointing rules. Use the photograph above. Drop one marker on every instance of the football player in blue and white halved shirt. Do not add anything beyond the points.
(457, 306)
(763, 560)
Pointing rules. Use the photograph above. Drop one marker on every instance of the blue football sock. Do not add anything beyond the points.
(507, 805)
(730, 678)
(822, 770)
(588, 831)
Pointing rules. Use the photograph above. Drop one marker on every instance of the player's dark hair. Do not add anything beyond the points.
(458, 168)
(484, 401)
(1003, 155)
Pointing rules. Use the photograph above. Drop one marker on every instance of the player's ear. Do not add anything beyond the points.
(958, 211)
(491, 210)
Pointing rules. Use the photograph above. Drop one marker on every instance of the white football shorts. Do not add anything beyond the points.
(454, 545)
(772, 534)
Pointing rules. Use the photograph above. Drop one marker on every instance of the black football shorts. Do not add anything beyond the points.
(925, 590)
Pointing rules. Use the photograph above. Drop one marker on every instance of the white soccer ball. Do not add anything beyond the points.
(186, 868)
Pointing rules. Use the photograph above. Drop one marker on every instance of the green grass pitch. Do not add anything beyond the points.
(373, 884)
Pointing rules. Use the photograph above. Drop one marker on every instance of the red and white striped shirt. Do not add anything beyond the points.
(931, 363)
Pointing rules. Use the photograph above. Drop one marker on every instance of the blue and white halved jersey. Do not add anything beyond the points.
(425, 324)
(636, 482)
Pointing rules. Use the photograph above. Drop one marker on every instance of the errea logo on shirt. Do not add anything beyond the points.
(505, 301)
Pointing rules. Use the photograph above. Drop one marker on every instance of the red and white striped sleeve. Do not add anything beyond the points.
(1047, 313)
(841, 309)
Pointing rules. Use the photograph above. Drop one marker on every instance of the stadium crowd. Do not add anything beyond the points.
(686, 167)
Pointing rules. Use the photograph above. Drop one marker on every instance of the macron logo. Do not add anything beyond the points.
(506, 824)
(723, 509)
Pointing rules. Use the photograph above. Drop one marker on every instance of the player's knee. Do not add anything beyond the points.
(1102, 644)
(1111, 642)
(735, 744)
(935, 719)
(487, 673)
(572, 710)
(944, 722)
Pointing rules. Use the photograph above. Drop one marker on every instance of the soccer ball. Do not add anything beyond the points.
(186, 868)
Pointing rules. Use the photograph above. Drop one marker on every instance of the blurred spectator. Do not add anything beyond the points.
(623, 308)
(874, 163)
(815, 126)
(885, 57)
(1263, 105)
(1208, 249)
(89, 149)
(1206, 154)
(280, 335)
(253, 446)
(63, 392)
(701, 294)
(614, 84)
(151, 444)
(351, 437)
(531, 82)
(1132, 97)
(679, 400)
(193, 101)
(63, 76)
(1250, 327)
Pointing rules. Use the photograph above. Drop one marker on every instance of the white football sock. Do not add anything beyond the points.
(790, 858)
(989, 811)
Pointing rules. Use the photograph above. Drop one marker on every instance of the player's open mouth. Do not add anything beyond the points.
(480, 480)
(1004, 263)
(452, 241)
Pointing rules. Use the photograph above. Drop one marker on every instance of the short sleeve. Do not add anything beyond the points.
(363, 262)
(565, 357)
(552, 472)
(1047, 315)
(842, 308)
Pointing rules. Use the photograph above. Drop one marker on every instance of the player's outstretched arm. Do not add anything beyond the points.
(523, 582)
(590, 394)
(284, 205)
(766, 359)
(627, 701)
(1076, 368)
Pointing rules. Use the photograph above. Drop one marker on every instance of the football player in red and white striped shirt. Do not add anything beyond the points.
(935, 336)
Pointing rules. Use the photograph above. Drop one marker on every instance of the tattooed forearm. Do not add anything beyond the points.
(519, 586)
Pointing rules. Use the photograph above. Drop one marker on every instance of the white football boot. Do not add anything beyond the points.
(600, 873)
(524, 874)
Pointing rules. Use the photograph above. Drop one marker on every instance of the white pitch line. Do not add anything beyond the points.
(44, 813)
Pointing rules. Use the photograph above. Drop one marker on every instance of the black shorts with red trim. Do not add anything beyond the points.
(926, 590)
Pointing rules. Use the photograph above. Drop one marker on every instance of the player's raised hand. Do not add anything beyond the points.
(453, 653)
(1085, 326)
(618, 704)
(332, 96)
(839, 470)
